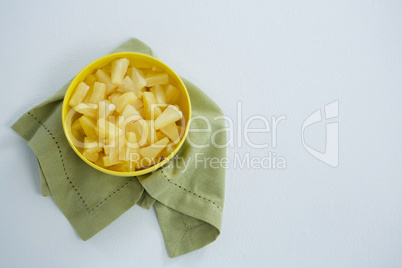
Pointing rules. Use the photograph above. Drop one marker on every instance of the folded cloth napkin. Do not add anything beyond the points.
(187, 193)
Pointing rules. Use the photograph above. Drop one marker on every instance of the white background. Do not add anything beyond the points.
(276, 57)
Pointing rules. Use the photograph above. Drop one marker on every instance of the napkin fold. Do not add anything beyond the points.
(187, 193)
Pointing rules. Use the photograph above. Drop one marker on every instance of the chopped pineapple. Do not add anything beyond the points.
(170, 115)
(105, 108)
(118, 71)
(172, 94)
(172, 132)
(138, 81)
(90, 154)
(151, 108)
(157, 79)
(110, 161)
(114, 96)
(88, 125)
(88, 109)
(77, 130)
(122, 101)
(159, 94)
(104, 78)
(153, 150)
(79, 94)
(127, 85)
(106, 129)
(98, 93)
(90, 80)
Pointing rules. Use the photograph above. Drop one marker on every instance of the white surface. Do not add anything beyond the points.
(278, 58)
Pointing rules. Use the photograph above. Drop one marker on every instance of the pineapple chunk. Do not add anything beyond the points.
(132, 151)
(91, 143)
(88, 109)
(122, 101)
(153, 150)
(156, 79)
(98, 93)
(110, 161)
(77, 130)
(106, 129)
(130, 114)
(114, 96)
(152, 137)
(172, 94)
(127, 85)
(88, 125)
(79, 94)
(170, 115)
(137, 104)
(104, 78)
(116, 146)
(90, 154)
(171, 132)
(90, 80)
(151, 109)
(138, 81)
(159, 94)
(105, 108)
(118, 71)
(141, 130)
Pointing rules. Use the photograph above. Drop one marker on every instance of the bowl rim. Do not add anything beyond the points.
(112, 57)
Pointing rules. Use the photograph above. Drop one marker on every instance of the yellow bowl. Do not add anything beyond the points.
(184, 105)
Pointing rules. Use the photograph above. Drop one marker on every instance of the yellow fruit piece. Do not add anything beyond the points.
(132, 150)
(151, 108)
(171, 132)
(106, 129)
(105, 108)
(152, 137)
(114, 96)
(130, 114)
(159, 94)
(138, 81)
(88, 125)
(105, 79)
(141, 130)
(170, 115)
(88, 109)
(160, 135)
(90, 80)
(122, 101)
(153, 79)
(116, 146)
(98, 93)
(172, 94)
(118, 70)
(138, 104)
(79, 94)
(127, 85)
(77, 130)
(153, 150)
(94, 144)
(110, 161)
(90, 155)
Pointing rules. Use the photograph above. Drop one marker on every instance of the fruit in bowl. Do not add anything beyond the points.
(126, 114)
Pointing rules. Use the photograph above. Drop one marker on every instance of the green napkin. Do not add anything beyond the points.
(187, 193)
